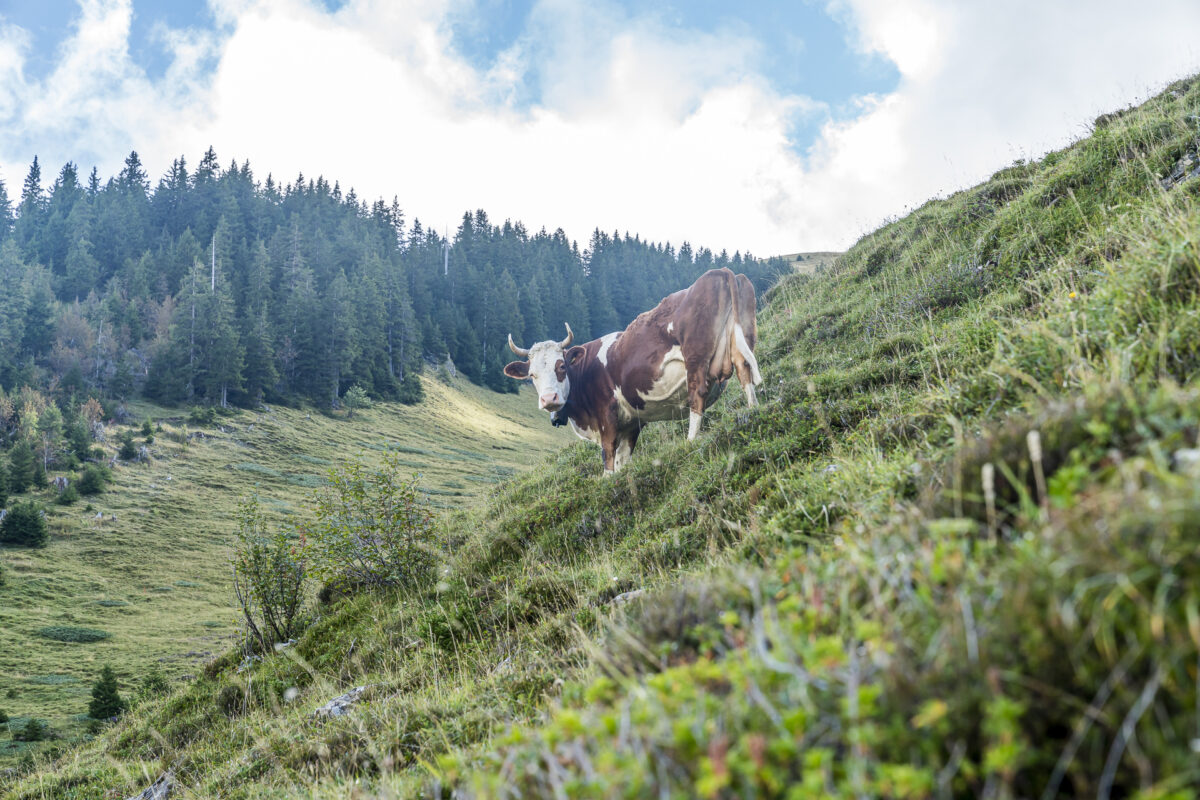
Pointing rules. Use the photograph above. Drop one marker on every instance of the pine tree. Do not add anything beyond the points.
(20, 467)
(106, 697)
(6, 213)
(24, 525)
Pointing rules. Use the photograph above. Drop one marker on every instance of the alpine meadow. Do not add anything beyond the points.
(279, 518)
(955, 551)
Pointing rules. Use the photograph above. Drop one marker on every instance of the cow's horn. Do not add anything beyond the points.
(570, 338)
(522, 352)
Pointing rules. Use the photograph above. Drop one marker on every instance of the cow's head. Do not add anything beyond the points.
(546, 367)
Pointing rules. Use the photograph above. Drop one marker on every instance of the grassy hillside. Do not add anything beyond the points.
(953, 554)
(153, 575)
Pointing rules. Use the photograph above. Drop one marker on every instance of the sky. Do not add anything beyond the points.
(764, 127)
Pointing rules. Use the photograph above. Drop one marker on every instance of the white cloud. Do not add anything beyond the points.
(637, 125)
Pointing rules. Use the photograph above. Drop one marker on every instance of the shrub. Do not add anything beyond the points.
(148, 431)
(269, 578)
(154, 683)
(92, 480)
(354, 399)
(67, 496)
(24, 525)
(72, 634)
(34, 730)
(3, 718)
(202, 415)
(128, 451)
(106, 698)
(371, 529)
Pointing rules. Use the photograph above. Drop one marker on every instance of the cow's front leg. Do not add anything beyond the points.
(608, 446)
(697, 395)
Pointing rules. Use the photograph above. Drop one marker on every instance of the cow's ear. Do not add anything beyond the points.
(573, 355)
(517, 369)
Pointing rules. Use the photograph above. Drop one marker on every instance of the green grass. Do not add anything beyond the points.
(954, 553)
(145, 578)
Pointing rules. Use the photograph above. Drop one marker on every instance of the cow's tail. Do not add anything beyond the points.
(745, 328)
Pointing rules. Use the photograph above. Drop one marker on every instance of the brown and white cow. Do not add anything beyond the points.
(671, 359)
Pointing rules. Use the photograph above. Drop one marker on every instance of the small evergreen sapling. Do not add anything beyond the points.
(106, 698)
(128, 451)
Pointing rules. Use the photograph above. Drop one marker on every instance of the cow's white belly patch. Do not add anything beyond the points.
(586, 434)
(667, 396)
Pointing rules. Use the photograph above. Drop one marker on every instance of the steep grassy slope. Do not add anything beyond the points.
(154, 573)
(953, 554)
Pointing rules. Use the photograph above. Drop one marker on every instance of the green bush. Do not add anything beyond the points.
(202, 415)
(371, 529)
(25, 525)
(3, 718)
(269, 579)
(72, 634)
(154, 683)
(93, 480)
(67, 496)
(35, 730)
(128, 451)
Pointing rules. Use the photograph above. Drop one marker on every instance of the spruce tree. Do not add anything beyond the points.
(20, 467)
(106, 698)
(25, 525)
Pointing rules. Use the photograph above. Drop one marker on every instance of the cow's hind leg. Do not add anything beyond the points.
(746, 365)
(698, 388)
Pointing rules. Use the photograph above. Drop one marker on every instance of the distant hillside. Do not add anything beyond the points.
(809, 262)
(146, 563)
(954, 553)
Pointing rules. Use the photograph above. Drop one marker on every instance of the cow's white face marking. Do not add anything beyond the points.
(606, 342)
(545, 368)
(670, 327)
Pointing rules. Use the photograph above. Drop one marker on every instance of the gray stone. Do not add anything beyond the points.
(339, 706)
(159, 790)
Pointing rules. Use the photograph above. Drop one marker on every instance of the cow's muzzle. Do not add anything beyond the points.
(550, 402)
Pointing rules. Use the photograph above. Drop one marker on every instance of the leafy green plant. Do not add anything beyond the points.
(269, 579)
(371, 528)
(35, 730)
(354, 399)
(67, 496)
(93, 480)
(128, 450)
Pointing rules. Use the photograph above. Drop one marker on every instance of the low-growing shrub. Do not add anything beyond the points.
(35, 730)
(128, 451)
(67, 496)
(72, 634)
(93, 480)
(372, 528)
(269, 579)
(25, 525)
(202, 415)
